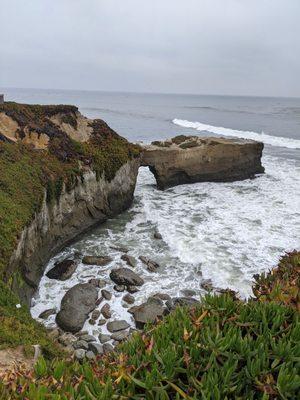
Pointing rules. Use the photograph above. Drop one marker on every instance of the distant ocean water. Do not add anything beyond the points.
(225, 232)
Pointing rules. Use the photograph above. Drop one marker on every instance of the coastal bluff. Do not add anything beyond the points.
(190, 159)
(60, 174)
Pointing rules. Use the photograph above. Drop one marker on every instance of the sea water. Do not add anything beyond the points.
(225, 232)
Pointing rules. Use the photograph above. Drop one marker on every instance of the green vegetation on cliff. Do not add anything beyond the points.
(223, 349)
(26, 174)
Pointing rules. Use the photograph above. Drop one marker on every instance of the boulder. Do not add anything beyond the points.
(104, 338)
(130, 260)
(185, 302)
(88, 338)
(115, 326)
(157, 235)
(45, 314)
(95, 314)
(119, 336)
(101, 261)
(119, 288)
(189, 159)
(75, 307)
(106, 294)
(147, 312)
(105, 311)
(63, 270)
(96, 348)
(132, 289)
(121, 249)
(125, 276)
(128, 298)
(151, 265)
(81, 344)
(79, 354)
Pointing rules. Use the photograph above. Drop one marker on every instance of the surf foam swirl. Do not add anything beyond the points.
(278, 141)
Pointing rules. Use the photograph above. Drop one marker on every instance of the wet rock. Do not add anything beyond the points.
(157, 235)
(95, 314)
(152, 266)
(125, 276)
(106, 294)
(119, 336)
(132, 289)
(155, 300)
(96, 348)
(90, 355)
(207, 285)
(147, 312)
(88, 338)
(162, 296)
(128, 298)
(104, 338)
(188, 292)
(45, 314)
(92, 321)
(130, 260)
(119, 288)
(63, 270)
(115, 326)
(76, 305)
(79, 354)
(81, 333)
(115, 343)
(107, 348)
(185, 302)
(102, 322)
(81, 344)
(101, 261)
(121, 249)
(99, 301)
(100, 283)
(105, 311)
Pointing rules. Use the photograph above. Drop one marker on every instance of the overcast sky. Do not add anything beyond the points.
(247, 47)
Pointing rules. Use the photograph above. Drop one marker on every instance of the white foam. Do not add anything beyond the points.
(261, 137)
(225, 231)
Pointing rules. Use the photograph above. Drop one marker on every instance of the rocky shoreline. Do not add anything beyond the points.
(90, 303)
(86, 173)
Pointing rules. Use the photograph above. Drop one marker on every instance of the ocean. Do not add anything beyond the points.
(225, 232)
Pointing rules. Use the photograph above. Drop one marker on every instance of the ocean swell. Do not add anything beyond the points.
(261, 137)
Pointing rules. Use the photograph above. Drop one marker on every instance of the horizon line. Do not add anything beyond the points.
(149, 93)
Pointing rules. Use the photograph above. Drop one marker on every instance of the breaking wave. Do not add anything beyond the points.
(261, 137)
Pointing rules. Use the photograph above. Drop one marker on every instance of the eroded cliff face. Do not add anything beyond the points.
(190, 159)
(60, 174)
(91, 202)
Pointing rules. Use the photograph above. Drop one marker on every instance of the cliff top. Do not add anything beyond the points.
(184, 142)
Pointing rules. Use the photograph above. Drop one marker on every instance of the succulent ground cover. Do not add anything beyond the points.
(223, 349)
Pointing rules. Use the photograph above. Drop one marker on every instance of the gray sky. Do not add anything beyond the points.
(249, 47)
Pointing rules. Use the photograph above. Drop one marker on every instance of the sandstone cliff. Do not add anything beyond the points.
(189, 159)
(60, 173)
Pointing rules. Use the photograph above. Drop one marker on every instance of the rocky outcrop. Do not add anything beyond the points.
(147, 312)
(189, 159)
(63, 270)
(125, 276)
(76, 305)
(91, 202)
(84, 173)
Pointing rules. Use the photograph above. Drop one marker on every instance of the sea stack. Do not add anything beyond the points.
(190, 159)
